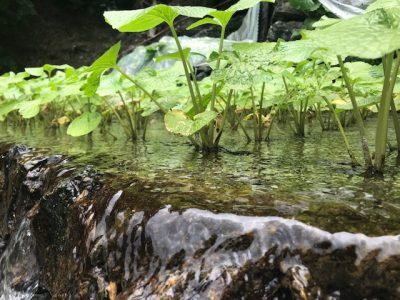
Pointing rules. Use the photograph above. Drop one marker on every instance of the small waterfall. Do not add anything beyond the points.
(346, 9)
(249, 29)
(19, 278)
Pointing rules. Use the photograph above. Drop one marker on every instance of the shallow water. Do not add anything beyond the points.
(307, 179)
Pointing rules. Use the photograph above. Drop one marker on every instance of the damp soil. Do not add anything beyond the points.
(307, 179)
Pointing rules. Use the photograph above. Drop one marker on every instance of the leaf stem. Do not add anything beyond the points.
(357, 115)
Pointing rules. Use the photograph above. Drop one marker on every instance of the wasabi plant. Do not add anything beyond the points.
(201, 118)
(376, 34)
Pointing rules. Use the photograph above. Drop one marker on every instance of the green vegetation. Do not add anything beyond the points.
(255, 86)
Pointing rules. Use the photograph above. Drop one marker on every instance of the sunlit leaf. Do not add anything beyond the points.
(147, 18)
(29, 109)
(84, 124)
(369, 36)
(173, 56)
(178, 122)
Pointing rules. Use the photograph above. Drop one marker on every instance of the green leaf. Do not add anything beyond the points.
(222, 18)
(38, 72)
(107, 61)
(29, 109)
(84, 124)
(145, 19)
(92, 84)
(205, 21)
(173, 56)
(369, 36)
(49, 68)
(7, 107)
(245, 4)
(325, 22)
(387, 4)
(178, 122)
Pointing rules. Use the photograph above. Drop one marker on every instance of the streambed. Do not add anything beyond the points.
(160, 220)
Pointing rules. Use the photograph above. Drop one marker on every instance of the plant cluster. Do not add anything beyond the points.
(254, 85)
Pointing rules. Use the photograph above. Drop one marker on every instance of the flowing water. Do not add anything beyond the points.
(174, 222)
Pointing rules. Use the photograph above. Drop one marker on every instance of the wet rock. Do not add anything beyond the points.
(42, 294)
(284, 30)
(81, 239)
(284, 11)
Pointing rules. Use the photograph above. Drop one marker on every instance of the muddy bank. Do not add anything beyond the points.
(66, 233)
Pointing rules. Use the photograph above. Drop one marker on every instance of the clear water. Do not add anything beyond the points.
(306, 179)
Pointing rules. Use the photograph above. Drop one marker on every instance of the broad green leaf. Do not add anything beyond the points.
(245, 4)
(205, 21)
(170, 81)
(7, 107)
(38, 72)
(110, 84)
(29, 109)
(178, 122)
(92, 83)
(49, 68)
(363, 72)
(325, 22)
(107, 61)
(222, 18)
(173, 56)
(293, 51)
(369, 36)
(84, 124)
(341, 104)
(12, 78)
(145, 19)
(387, 4)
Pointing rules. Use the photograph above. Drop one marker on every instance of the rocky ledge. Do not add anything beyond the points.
(66, 232)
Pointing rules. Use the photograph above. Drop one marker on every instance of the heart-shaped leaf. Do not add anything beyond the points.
(84, 124)
(178, 122)
(144, 19)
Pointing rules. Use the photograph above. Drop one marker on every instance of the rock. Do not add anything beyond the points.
(77, 238)
(284, 30)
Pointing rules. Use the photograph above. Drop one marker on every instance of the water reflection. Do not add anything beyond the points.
(309, 179)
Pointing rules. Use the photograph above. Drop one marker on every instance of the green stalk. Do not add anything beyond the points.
(239, 119)
(185, 68)
(139, 86)
(189, 82)
(396, 123)
(224, 117)
(291, 108)
(254, 114)
(130, 120)
(302, 117)
(357, 115)
(214, 86)
(390, 73)
(346, 142)
(124, 126)
(270, 126)
(260, 113)
(319, 116)
(197, 89)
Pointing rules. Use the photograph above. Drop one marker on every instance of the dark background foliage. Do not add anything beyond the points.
(35, 32)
